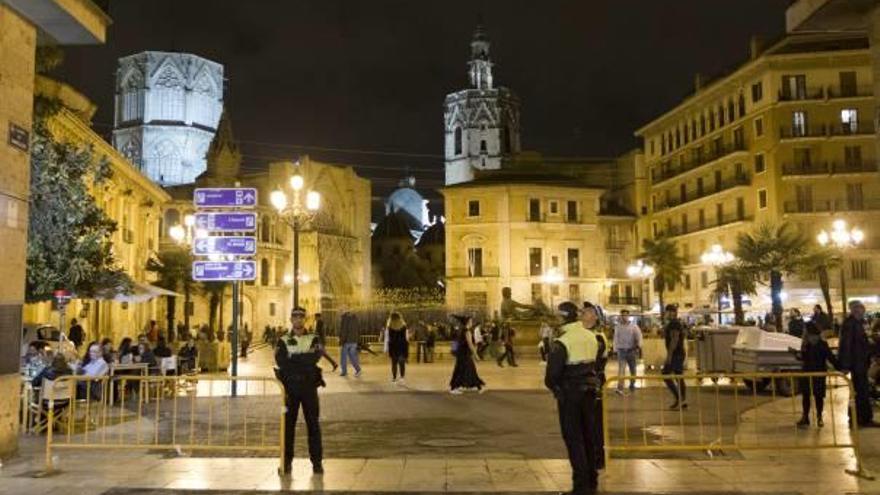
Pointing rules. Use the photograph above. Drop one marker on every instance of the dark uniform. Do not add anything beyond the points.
(599, 417)
(571, 376)
(297, 359)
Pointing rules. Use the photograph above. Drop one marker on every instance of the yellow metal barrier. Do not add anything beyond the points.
(177, 413)
(727, 412)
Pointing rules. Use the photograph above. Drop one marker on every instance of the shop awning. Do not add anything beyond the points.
(142, 292)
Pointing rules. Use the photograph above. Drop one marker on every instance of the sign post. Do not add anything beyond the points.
(228, 254)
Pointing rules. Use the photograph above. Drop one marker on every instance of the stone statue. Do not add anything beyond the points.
(511, 309)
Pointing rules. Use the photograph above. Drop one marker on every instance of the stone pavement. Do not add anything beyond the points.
(507, 442)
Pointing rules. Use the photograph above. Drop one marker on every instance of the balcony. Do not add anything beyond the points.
(677, 230)
(852, 128)
(715, 153)
(624, 300)
(800, 132)
(859, 92)
(827, 168)
(616, 244)
(808, 94)
(831, 206)
(726, 184)
(487, 271)
(862, 128)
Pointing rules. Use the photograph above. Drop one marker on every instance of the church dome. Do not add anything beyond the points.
(409, 203)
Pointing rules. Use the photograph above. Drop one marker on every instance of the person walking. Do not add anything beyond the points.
(464, 374)
(627, 343)
(321, 334)
(506, 337)
(76, 334)
(397, 346)
(796, 323)
(479, 340)
(296, 358)
(349, 337)
(572, 376)
(546, 334)
(815, 355)
(821, 318)
(674, 336)
(854, 357)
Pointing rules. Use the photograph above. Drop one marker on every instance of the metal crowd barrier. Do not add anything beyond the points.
(727, 412)
(176, 413)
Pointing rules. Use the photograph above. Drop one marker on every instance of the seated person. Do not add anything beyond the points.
(162, 350)
(93, 365)
(145, 355)
(36, 358)
(125, 354)
(57, 369)
(107, 349)
(188, 356)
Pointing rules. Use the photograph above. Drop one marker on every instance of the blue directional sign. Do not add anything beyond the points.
(230, 197)
(227, 221)
(243, 246)
(207, 271)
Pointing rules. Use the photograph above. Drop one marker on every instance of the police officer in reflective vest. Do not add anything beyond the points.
(591, 317)
(571, 376)
(297, 358)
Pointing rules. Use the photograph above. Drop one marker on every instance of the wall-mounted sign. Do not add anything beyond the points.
(19, 137)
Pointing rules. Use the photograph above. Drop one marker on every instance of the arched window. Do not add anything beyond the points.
(483, 147)
(132, 95)
(132, 151)
(169, 94)
(458, 146)
(165, 162)
(172, 218)
(264, 272)
(204, 100)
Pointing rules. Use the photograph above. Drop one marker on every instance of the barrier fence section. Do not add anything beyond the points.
(176, 413)
(728, 412)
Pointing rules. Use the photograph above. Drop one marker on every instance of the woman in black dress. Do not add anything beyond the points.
(464, 375)
(397, 346)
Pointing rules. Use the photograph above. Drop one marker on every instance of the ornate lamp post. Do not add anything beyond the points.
(639, 270)
(296, 213)
(717, 257)
(553, 276)
(843, 239)
(183, 235)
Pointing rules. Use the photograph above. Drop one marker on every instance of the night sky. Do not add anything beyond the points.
(368, 78)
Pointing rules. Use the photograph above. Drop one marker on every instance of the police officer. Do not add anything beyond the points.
(297, 358)
(592, 319)
(572, 377)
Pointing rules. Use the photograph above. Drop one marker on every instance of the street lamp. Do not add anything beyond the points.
(553, 276)
(843, 239)
(717, 257)
(183, 235)
(296, 213)
(639, 270)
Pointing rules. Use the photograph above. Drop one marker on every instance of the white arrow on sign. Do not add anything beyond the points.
(248, 271)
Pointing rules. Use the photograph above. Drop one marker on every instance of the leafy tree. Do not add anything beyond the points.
(662, 254)
(174, 269)
(215, 292)
(817, 261)
(735, 280)
(69, 235)
(774, 250)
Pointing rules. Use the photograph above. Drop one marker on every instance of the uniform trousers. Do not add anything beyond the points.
(577, 422)
(307, 398)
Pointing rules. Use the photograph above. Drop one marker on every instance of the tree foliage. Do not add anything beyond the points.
(69, 235)
(662, 254)
(173, 268)
(772, 250)
(816, 263)
(735, 280)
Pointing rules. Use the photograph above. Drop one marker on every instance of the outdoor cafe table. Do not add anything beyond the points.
(127, 369)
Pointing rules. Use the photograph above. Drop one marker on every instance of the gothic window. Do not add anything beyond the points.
(483, 148)
(132, 151)
(204, 100)
(172, 218)
(264, 230)
(132, 96)
(165, 161)
(168, 87)
(505, 139)
(264, 272)
(458, 140)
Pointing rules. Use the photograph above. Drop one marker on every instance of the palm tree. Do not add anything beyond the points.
(735, 280)
(173, 268)
(662, 254)
(215, 292)
(774, 250)
(816, 263)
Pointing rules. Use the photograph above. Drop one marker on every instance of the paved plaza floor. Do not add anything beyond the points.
(384, 437)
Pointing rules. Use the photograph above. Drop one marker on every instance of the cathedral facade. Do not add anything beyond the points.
(167, 109)
(481, 122)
